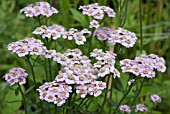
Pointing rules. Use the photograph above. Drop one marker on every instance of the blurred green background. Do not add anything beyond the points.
(156, 33)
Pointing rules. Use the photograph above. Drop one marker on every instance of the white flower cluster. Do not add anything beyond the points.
(155, 98)
(96, 11)
(105, 63)
(54, 92)
(144, 65)
(138, 108)
(79, 70)
(39, 8)
(16, 75)
(27, 46)
(78, 36)
(54, 31)
(121, 36)
(94, 88)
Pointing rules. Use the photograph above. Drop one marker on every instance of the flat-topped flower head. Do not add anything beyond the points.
(103, 33)
(94, 24)
(122, 36)
(140, 108)
(54, 92)
(27, 46)
(16, 75)
(155, 98)
(96, 11)
(105, 63)
(144, 65)
(54, 31)
(124, 109)
(39, 8)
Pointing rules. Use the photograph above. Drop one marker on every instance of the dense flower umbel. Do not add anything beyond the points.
(39, 8)
(105, 63)
(54, 92)
(94, 88)
(96, 11)
(27, 46)
(121, 36)
(54, 31)
(144, 65)
(140, 108)
(124, 109)
(155, 98)
(78, 69)
(16, 75)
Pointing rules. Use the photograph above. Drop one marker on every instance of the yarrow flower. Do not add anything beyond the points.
(27, 46)
(94, 24)
(54, 31)
(130, 82)
(39, 8)
(16, 75)
(94, 88)
(121, 36)
(155, 98)
(78, 70)
(124, 109)
(96, 11)
(78, 36)
(140, 108)
(105, 63)
(144, 65)
(54, 92)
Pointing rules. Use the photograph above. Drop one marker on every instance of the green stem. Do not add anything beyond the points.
(24, 99)
(105, 93)
(49, 63)
(130, 87)
(140, 14)
(46, 72)
(137, 95)
(32, 70)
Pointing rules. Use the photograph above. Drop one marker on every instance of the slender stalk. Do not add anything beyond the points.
(140, 88)
(104, 101)
(24, 99)
(127, 92)
(140, 19)
(32, 70)
(46, 72)
(49, 63)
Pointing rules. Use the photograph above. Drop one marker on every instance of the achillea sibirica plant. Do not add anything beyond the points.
(81, 78)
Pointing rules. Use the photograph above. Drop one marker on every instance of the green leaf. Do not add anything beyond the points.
(17, 91)
(111, 102)
(30, 88)
(79, 17)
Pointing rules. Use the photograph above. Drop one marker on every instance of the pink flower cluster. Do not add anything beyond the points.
(78, 70)
(39, 8)
(54, 92)
(124, 109)
(27, 46)
(105, 63)
(139, 107)
(96, 11)
(54, 31)
(121, 36)
(78, 36)
(16, 75)
(94, 88)
(155, 98)
(144, 65)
